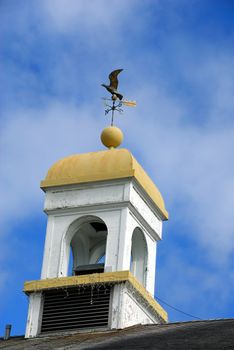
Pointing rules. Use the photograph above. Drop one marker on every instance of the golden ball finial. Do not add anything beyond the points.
(111, 137)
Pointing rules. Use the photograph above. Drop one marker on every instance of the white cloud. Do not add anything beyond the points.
(194, 289)
(89, 16)
(195, 169)
(188, 149)
(30, 143)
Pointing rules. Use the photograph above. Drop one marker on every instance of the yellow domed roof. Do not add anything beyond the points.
(100, 166)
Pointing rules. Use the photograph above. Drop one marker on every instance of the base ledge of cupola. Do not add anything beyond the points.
(130, 302)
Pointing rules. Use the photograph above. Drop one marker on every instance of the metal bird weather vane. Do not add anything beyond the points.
(116, 96)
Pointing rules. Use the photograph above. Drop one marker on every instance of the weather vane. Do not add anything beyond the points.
(116, 98)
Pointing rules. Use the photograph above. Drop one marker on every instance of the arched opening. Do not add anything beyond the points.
(139, 256)
(87, 246)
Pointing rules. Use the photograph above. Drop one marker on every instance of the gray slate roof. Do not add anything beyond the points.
(207, 335)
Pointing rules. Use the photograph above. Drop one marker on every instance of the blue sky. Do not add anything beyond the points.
(178, 60)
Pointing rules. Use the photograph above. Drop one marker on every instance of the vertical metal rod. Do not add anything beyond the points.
(7, 332)
(112, 114)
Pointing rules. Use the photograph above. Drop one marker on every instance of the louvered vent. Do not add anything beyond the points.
(76, 307)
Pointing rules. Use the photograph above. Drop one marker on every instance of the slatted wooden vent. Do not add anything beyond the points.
(75, 308)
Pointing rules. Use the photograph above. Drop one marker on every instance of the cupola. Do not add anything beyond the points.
(105, 218)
